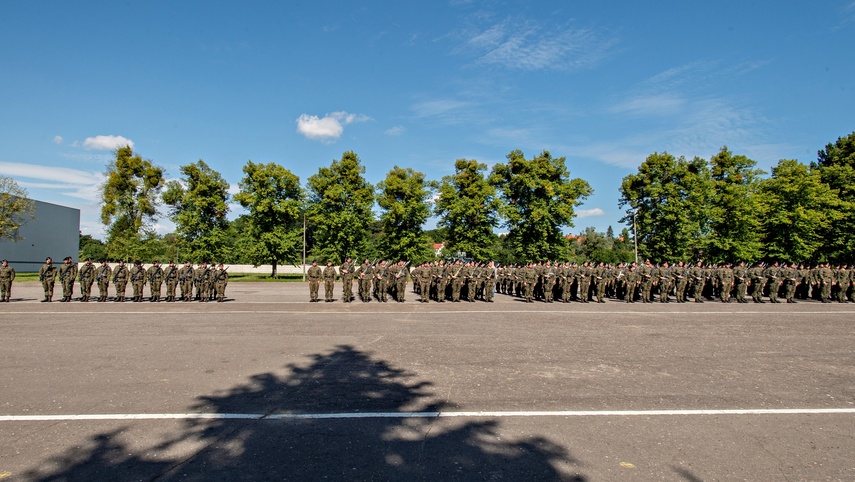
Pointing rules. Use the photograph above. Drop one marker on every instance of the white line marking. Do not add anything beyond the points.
(488, 414)
(439, 312)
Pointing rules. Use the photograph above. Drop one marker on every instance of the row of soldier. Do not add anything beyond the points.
(208, 282)
(548, 281)
(634, 282)
(382, 280)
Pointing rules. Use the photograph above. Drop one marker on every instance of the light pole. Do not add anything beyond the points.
(635, 236)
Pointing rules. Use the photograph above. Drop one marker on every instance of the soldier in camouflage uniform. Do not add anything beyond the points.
(646, 274)
(346, 271)
(220, 281)
(86, 275)
(586, 273)
(662, 275)
(102, 277)
(842, 279)
(680, 274)
(790, 277)
(47, 276)
(725, 282)
(314, 275)
(329, 282)
(120, 280)
(7, 276)
(186, 276)
(400, 277)
(363, 277)
(155, 279)
(456, 280)
(740, 282)
(773, 281)
(630, 280)
(424, 276)
(825, 278)
(758, 282)
(696, 275)
(138, 280)
(67, 275)
(380, 275)
(170, 275)
(204, 280)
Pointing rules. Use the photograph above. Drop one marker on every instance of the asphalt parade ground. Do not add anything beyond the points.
(268, 386)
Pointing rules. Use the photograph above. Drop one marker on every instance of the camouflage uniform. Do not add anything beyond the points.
(67, 275)
(740, 282)
(86, 275)
(155, 279)
(138, 281)
(7, 276)
(120, 280)
(102, 277)
(186, 275)
(47, 276)
(725, 282)
(346, 272)
(170, 275)
(220, 281)
(329, 282)
(314, 275)
(646, 274)
(772, 274)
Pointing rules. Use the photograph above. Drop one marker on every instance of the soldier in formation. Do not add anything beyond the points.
(7, 276)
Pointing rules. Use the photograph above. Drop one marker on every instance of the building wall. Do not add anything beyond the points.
(54, 231)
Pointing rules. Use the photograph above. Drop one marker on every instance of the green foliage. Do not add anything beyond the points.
(669, 197)
(403, 196)
(91, 248)
(15, 208)
(734, 220)
(198, 207)
(129, 203)
(538, 199)
(798, 211)
(467, 207)
(274, 199)
(836, 165)
(340, 202)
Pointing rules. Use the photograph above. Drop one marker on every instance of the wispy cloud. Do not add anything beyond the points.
(395, 131)
(655, 104)
(57, 139)
(74, 183)
(523, 44)
(328, 128)
(107, 143)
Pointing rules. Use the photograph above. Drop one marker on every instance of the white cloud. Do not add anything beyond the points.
(57, 139)
(327, 128)
(395, 131)
(589, 213)
(107, 143)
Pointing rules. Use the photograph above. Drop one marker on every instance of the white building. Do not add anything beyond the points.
(53, 231)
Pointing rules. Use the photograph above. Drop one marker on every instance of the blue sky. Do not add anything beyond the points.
(417, 84)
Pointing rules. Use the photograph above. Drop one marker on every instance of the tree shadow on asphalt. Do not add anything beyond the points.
(344, 380)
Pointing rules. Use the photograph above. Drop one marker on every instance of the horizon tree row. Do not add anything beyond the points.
(533, 198)
(725, 210)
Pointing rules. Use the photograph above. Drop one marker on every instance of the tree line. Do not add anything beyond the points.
(726, 209)
(722, 209)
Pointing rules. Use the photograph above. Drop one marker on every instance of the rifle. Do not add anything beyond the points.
(403, 268)
(100, 275)
(220, 275)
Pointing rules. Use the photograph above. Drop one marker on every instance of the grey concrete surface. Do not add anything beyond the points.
(268, 351)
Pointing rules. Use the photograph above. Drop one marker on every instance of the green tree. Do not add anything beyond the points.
(274, 199)
(340, 202)
(129, 201)
(15, 208)
(90, 247)
(404, 198)
(734, 223)
(538, 199)
(468, 209)
(669, 197)
(798, 211)
(198, 207)
(836, 164)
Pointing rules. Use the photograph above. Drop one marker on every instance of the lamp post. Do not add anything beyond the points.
(635, 236)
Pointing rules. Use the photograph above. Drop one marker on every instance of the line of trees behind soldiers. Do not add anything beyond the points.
(724, 209)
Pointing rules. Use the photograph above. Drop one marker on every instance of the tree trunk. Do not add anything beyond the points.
(274, 274)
